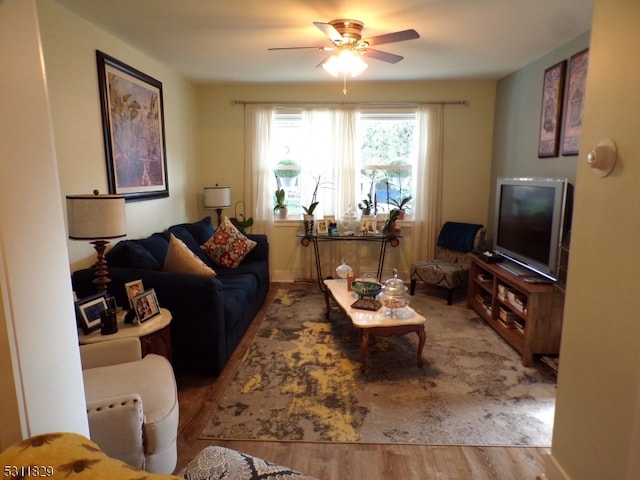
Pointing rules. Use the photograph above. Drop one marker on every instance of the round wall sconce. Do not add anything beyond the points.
(602, 158)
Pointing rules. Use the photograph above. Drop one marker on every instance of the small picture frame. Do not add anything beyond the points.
(133, 289)
(89, 312)
(363, 222)
(146, 305)
(370, 226)
(323, 227)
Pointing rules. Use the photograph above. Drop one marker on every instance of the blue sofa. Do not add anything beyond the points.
(210, 314)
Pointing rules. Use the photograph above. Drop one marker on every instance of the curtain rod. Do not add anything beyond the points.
(315, 102)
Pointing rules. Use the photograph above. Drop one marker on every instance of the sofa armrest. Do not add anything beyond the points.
(121, 350)
(115, 424)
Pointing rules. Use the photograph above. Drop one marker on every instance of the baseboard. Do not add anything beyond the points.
(553, 470)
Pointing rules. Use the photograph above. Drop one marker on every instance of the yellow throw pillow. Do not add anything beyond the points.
(182, 260)
(228, 246)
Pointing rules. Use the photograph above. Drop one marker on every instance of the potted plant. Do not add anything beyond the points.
(401, 206)
(280, 207)
(367, 204)
(389, 227)
(308, 210)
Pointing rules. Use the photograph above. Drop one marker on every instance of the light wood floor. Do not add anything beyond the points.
(335, 461)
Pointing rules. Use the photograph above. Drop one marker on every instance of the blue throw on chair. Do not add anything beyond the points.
(450, 267)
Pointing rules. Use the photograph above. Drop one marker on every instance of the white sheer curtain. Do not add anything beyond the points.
(258, 127)
(428, 198)
(331, 139)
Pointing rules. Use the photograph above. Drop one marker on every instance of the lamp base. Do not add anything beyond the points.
(102, 280)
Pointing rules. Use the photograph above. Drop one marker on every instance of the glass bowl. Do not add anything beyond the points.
(366, 288)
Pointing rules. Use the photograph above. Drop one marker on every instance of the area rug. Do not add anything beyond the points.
(301, 381)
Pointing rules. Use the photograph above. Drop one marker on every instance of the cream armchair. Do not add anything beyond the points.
(132, 404)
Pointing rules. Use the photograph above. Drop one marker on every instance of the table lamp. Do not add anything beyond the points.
(98, 218)
(217, 197)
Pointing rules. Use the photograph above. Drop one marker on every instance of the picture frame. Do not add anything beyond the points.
(370, 226)
(146, 305)
(133, 289)
(363, 221)
(551, 110)
(323, 227)
(133, 129)
(89, 312)
(574, 103)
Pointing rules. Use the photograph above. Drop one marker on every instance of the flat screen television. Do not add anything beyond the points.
(532, 217)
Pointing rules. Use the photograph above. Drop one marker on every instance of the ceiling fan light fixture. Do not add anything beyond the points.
(346, 62)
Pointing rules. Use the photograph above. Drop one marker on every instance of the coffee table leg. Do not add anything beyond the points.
(364, 347)
(423, 337)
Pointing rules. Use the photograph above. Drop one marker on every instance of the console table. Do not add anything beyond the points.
(383, 240)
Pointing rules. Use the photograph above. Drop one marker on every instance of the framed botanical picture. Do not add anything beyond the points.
(89, 312)
(133, 289)
(146, 305)
(551, 110)
(574, 102)
(133, 130)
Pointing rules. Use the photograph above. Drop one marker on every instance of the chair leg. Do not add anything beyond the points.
(449, 296)
(412, 287)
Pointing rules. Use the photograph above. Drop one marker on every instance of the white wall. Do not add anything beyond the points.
(597, 428)
(40, 362)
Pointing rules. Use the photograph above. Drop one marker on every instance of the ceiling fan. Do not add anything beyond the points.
(346, 36)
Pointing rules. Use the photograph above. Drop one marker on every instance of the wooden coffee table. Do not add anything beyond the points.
(374, 323)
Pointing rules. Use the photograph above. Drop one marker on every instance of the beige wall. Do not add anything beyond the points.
(69, 44)
(467, 156)
(597, 426)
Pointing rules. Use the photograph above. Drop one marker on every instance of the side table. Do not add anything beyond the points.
(154, 334)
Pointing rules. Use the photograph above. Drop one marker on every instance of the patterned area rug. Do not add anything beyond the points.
(300, 381)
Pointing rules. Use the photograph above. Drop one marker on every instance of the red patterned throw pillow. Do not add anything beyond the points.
(228, 246)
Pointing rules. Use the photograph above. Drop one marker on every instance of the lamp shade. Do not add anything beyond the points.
(217, 197)
(96, 217)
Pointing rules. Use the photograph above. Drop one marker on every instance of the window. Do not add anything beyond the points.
(357, 155)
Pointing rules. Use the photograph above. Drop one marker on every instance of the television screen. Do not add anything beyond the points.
(530, 220)
(526, 220)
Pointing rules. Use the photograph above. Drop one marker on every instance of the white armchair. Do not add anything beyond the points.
(132, 404)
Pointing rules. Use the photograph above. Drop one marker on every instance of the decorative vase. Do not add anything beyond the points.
(308, 225)
(283, 212)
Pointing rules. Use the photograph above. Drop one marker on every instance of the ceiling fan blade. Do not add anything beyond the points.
(300, 48)
(393, 37)
(330, 31)
(384, 56)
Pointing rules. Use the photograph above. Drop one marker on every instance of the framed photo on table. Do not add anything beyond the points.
(146, 305)
(89, 312)
(133, 130)
(551, 110)
(133, 289)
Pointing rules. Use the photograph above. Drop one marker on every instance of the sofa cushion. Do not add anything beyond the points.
(180, 259)
(188, 239)
(129, 253)
(202, 230)
(157, 244)
(228, 246)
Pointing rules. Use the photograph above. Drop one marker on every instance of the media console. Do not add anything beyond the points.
(527, 314)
